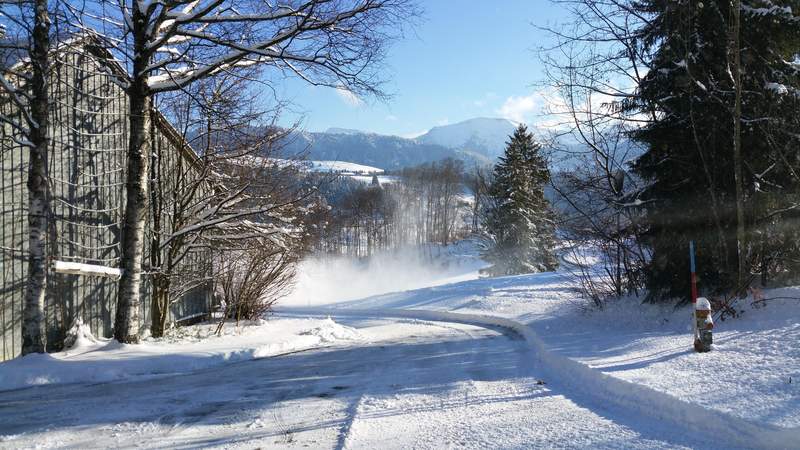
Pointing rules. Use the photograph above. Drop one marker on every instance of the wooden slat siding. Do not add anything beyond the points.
(198, 300)
(87, 163)
(14, 236)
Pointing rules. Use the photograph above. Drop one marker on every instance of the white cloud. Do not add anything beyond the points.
(521, 109)
(443, 122)
(349, 97)
(542, 109)
(391, 118)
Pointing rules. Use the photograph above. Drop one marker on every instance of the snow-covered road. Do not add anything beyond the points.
(409, 384)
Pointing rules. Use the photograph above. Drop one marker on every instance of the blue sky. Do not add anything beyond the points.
(464, 59)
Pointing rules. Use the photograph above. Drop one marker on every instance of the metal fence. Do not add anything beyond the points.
(86, 167)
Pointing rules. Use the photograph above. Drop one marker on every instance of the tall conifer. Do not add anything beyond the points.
(520, 219)
(691, 164)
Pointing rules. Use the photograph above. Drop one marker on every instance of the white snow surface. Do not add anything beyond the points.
(94, 360)
(749, 380)
(86, 269)
(436, 359)
(410, 384)
(752, 373)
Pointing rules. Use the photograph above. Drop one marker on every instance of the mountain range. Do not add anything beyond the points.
(475, 141)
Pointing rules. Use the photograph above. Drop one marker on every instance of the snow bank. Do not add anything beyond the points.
(330, 331)
(79, 336)
(94, 360)
(601, 389)
(752, 373)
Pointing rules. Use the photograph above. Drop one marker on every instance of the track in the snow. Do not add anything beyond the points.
(413, 384)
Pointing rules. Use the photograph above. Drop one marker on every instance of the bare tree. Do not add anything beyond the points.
(592, 71)
(478, 181)
(25, 85)
(234, 190)
(169, 45)
(251, 281)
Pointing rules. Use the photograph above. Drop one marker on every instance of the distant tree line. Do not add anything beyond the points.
(423, 204)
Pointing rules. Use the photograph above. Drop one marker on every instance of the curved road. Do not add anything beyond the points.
(410, 384)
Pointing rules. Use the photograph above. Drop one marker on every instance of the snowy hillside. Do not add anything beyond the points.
(335, 130)
(342, 167)
(370, 149)
(475, 141)
(483, 135)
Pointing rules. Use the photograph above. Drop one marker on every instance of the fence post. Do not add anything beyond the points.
(693, 268)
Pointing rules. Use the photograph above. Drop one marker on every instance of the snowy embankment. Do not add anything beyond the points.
(342, 167)
(635, 356)
(601, 389)
(94, 360)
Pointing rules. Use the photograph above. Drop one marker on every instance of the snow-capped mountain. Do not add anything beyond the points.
(475, 141)
(335, 130)
(482, 135)
(385, 152)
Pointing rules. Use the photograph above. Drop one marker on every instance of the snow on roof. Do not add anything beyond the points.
(74, 268)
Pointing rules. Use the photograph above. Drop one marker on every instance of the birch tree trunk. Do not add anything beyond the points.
(160, 297)
(126, 325)
(33, 336)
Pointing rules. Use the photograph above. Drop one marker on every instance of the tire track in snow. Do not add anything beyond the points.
(601, 389)
(353, 409)
(351, 413)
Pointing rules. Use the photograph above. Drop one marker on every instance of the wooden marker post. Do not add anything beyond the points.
(693, 269)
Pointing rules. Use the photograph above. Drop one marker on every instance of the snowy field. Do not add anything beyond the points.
(343, 167)
(418, 352)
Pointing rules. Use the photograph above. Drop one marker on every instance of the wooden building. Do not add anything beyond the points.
(86, 169)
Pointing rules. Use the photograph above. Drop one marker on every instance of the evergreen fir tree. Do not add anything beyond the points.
(520, 219)
(689, 163)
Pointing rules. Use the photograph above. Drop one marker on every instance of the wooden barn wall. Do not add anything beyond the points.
(174, 174)
(87, 171)
(13, 235)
